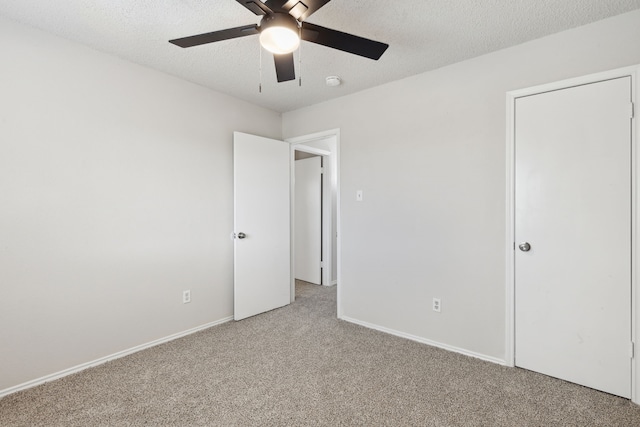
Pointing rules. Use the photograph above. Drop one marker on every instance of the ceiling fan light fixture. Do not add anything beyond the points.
(279, 34)
(279, 40)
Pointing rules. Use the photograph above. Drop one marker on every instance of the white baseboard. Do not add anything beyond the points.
(334, 282)
(426, 341)
(105, 359)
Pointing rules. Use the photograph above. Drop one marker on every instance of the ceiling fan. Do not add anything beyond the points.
(282, 27)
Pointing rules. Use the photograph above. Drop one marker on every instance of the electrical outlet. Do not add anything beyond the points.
(437, 305)
(186, 297)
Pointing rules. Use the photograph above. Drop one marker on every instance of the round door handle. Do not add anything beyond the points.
(525, 247)
(241, 235)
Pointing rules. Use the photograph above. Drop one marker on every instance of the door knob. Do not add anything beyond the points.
(525, 247)
(241, 235)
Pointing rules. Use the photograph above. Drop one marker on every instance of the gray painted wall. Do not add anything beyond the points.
(116, 195)
(432, 223)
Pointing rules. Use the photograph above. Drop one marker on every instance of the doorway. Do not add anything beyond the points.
(308, 229)
(325, 145)
(571, 275)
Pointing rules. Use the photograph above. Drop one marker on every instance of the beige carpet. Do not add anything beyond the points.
(300, 366)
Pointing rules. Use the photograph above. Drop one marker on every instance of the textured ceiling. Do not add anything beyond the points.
(422, 34)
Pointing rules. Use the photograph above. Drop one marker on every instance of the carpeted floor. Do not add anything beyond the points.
(300, 366)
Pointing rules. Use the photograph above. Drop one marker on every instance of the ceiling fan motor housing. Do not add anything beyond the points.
(279, 20)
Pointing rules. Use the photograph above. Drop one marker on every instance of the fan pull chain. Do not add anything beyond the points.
(260, 68)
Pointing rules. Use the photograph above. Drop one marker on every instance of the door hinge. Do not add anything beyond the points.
(631, 110)
(321, 264)
(632, 350)
(321, 170)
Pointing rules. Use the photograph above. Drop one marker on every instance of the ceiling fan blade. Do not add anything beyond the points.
(256, 6)
(301, 10)
(285, 69)
(216, 36)
(343, 41)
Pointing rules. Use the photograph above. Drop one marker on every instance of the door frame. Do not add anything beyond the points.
(300, 143)
(510, 243)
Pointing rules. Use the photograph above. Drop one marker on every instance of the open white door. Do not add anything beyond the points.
(308, 219)
(262, 254)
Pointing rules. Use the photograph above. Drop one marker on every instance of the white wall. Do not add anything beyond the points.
(115, 195)
(429, 153)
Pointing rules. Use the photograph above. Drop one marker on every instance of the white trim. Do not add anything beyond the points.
(510, 232)
(313, 136)
(635, 303)
(509, 328)
(311, 150)
(306, 139)
(100, 361)
(427, 341)
(575, 81)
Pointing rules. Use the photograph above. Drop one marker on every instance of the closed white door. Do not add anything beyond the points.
(262, 255)
(573, 221)
(308, 219)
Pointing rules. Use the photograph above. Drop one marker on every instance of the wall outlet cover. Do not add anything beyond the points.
(437, 305)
